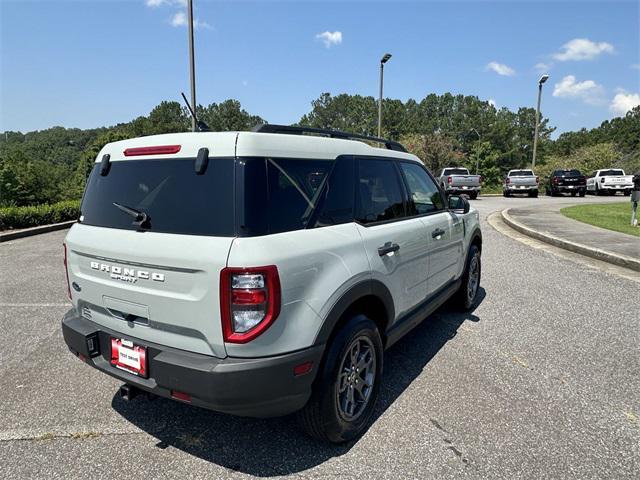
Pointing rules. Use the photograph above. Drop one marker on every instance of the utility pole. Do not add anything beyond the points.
(543, 79)
(384, 60)
(192, 66)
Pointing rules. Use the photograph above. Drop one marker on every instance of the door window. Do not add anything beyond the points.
(423, 192)
(379, 192)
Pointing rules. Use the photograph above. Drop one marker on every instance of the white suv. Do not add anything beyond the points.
(262, 273)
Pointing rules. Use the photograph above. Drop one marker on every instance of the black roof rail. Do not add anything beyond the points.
(291, 130)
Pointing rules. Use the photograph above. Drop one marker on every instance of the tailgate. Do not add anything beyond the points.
(465, 180)
(523, 181)
(163, 288)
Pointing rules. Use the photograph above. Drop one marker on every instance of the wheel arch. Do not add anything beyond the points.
(370, 297)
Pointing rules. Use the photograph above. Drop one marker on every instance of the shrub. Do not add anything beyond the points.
(32, 216)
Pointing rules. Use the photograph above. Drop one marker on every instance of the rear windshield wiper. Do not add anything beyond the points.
(141, 218)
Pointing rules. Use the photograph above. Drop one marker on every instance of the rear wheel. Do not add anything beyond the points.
(583, 193)
(533, 194)
(466, 295)
(627, 193)
(473, 195)
(573, 194)
(345, 392)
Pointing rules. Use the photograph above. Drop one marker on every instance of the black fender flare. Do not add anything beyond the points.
(356, 292)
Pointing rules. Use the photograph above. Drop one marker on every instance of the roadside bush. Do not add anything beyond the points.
(32, 216)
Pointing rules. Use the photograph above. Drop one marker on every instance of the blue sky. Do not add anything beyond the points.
(94, 63)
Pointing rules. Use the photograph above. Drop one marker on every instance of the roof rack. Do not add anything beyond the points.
(287, 129)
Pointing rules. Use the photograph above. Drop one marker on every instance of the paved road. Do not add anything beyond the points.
(541, 380)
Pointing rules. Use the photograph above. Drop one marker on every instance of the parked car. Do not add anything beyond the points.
(456, 180)
(520, 181)
(566, 181)
(262, 273)
(609, 182)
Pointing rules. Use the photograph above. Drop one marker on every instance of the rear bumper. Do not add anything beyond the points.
(617, 188)
(255, 387)
(520, 188)
(458, 189)
(569, 188)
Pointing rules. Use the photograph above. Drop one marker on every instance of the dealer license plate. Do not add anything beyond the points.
(129, 357)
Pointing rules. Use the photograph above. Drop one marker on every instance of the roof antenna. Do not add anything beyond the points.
(200, 125)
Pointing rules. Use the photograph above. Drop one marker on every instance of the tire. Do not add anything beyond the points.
(573, 194)
(332, 415)
(505, 193)
(466, 296)
(598, 191)
(533, 194)
(627, 193)
(473, 195)
(582, 193)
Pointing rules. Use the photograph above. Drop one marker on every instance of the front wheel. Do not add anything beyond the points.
(345, 392)
(467, 294)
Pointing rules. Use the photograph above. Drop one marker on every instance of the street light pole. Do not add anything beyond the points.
(192, 66)
(477, 157)
(543, 79)
(384, 60)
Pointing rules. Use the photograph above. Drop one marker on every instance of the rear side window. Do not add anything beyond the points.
(174, 197)
(611, 173)
(424, 194)
(280, 194)
(379, 192)
(521, 173)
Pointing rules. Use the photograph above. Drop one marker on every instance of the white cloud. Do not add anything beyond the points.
(582, 49)
(159, 3)
(588, 91)
(245, 83)
(330, 38)
(542, 67)
(624, 101)
(179, 19)
(501, 69)
(492, 102)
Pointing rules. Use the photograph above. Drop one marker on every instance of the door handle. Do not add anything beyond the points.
(437, 232)
(388, 248)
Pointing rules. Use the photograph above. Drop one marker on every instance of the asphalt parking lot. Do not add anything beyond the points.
(541, 380)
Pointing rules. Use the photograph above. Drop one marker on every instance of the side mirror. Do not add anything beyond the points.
(459, 204)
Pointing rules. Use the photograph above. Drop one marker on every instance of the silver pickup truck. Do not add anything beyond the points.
(521, 181)
(456, 180)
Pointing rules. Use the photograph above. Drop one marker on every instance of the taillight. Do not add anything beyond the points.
(507, 180)
(554, 180)
(249, 301)
(66, 271)
(481, 179)
(537, 179)
(449, 180)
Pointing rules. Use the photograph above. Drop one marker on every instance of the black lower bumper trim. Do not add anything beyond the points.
(253, 387)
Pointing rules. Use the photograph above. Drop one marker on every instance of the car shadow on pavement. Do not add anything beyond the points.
(272, 447)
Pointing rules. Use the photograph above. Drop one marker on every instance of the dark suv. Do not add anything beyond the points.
(566, 181)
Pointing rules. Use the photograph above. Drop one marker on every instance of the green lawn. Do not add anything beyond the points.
(613, 216)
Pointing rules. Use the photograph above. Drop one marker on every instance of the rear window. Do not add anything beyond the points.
(456, 171)
(567, 173)
(521, 173)
(611, 173)
(174, 197)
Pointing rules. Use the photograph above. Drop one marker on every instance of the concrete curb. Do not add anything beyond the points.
(28, 232)
(598, 254)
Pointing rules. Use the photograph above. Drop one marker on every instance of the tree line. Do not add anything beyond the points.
(51, 165)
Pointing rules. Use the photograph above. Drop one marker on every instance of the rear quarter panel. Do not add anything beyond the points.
(316, 267)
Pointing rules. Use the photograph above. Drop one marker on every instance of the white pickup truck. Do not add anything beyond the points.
(456, 180)
(609, 182)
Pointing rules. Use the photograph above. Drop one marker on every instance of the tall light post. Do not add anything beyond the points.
(477, 157)
(383, 60)
(192, 66)
(543, 79)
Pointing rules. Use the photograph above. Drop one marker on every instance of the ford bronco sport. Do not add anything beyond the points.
(262, 273)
